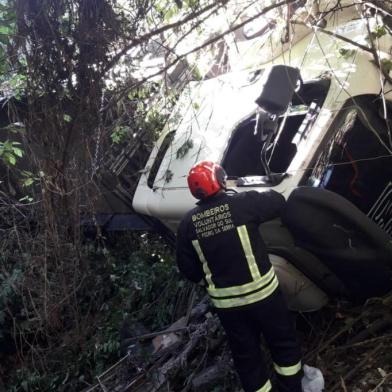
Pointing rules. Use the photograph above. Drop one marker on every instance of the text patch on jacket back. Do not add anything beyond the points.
(213, 221)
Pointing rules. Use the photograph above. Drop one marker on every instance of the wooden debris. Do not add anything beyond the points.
(210, 376)
(350, 344)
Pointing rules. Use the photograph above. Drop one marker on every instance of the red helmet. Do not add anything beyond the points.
(205, 179)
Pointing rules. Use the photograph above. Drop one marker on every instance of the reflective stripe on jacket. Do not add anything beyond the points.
(219, 241)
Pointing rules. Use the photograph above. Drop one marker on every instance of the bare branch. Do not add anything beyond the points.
(160, 30)
(349, 41)
(197, 48)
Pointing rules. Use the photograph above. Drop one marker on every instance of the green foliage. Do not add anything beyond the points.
(142, 277)
(119, 134)
(378, 32)
(155, 120)
(168, 10)
(7, 28)
(184, 149)
(386, 65)
(192, 3)
(151, 111)
(140, 284)
(196, 106)
(13, 84)
(60, 58)
(10, 152)
(132, 277)
(346, 52)
(12, 72)
(28, 178)
(15, 128)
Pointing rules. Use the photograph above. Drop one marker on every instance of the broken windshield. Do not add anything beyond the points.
(243, 153)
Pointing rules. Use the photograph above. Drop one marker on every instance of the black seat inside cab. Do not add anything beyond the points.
(350, 244)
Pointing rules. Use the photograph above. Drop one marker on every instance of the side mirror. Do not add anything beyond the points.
(280, 83)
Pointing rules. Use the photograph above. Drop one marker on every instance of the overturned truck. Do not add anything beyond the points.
(313, 124)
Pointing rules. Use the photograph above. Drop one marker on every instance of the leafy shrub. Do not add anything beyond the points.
(130, 277)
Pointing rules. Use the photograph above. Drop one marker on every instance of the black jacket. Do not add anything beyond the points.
(219, 240)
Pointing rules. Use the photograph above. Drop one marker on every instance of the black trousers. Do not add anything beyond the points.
(244, 326)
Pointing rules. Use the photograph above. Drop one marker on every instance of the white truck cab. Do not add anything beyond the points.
(340, 92)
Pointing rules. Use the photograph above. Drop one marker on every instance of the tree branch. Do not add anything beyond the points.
(160, 30)
(199, 47)
(349, 41)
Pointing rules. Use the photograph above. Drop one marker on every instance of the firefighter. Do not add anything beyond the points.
(218, 243)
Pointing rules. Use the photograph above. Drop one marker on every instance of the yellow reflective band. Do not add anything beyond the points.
(247, 299)
(266, 387)
(245, 241)
(288, 370)
(242, 289)
(206, 269)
